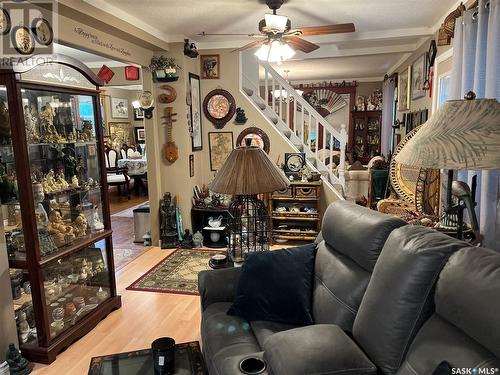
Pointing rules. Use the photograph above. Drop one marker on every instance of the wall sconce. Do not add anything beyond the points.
(146, 102)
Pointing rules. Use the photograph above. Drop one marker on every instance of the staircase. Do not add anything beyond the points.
(295, 119)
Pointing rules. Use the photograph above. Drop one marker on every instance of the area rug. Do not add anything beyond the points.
(123, 256)
(129, 212)
(177, 273)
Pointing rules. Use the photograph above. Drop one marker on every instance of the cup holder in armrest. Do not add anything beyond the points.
(252, 366)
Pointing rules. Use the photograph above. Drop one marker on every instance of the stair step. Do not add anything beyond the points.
(248, 91)
(262, 106)
(273, 119)
(299, 146)
(287, 133)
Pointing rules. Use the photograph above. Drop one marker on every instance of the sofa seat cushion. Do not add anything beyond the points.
(225, 335)
(317, 349)
(264, 329)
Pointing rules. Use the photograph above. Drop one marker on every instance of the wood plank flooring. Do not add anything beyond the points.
(144, 316)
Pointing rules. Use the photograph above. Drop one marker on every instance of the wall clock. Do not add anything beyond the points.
(22, 40)
(219, 107)
(42, 31)
(294, 162)
(5, 22)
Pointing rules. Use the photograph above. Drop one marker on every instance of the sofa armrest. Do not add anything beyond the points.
(316, 349)
(218, 285)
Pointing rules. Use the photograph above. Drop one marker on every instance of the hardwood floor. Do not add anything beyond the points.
(144, 316)
(118, 203)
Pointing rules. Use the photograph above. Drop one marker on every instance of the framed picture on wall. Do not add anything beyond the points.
(210, 66)
(194, 100)
(418, 77)
(119, 108)
(404, 83)
(140, 134)
(191, 165)
(138, 114)
(220, 146)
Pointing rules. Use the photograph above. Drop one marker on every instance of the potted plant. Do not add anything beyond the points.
(164, 68)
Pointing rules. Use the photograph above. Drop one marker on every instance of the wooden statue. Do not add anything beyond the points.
(168, 224)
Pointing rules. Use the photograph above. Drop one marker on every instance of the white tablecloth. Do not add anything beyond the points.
(134, 166)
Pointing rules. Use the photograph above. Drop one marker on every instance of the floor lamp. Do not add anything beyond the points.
(462, 134)
(247, 172)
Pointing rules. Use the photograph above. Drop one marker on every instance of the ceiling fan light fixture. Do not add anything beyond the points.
(263, 52)
(275, 52)
(276, 22)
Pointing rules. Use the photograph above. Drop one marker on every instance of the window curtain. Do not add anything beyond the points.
(387, 116)
(476, 67)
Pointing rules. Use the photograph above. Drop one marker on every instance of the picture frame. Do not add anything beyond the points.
(194, 100)
(138, 114)
(140, 134)
(119, 108)
(210, 66)
(220, 145)
(191, 165)
(418, 77)
(404, 83)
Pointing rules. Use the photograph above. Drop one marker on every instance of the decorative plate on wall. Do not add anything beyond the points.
(5, 22)
(22, 40)
(42, 31)
(219, 107)
(256, 137)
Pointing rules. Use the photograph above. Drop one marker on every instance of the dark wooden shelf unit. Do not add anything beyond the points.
(296, 223)
(364, 135)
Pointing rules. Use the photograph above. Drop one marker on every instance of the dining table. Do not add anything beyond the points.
(137, 169)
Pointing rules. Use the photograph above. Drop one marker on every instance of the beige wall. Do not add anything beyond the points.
(366, 88)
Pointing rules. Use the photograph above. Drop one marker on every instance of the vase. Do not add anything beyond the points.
(160, 73)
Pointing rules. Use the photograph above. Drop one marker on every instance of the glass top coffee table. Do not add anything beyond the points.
(188, 361)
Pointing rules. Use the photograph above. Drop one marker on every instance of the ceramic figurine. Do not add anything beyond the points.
(215, 222)
(74, 182)
(17, 364)
(99, 266)
(187, 240)
(61, 182)
(360, 103)
(96, 221)
(306, 174)
(86, 133)
(23, 328)
(102, 295)
(241, 118)
(198, 239)
(147, 238)
(49, 182)
(30, 122)
(72, 137)
(61, 233)
(80, 226)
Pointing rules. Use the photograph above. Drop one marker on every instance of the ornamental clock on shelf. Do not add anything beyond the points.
(294, 162)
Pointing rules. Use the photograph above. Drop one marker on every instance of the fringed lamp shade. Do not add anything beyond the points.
(462, 134)
(248, 171)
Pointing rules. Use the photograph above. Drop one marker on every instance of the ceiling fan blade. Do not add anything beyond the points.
(253, 44)
(226, 34)
(328, 29)
(301, 44)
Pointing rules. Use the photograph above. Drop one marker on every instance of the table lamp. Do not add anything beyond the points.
(462, 134)
(247, 172)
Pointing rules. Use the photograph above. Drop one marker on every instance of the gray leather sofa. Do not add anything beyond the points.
(372, 300)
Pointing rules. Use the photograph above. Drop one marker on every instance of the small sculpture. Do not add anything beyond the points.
(168, 223)
(72, 137)
(86, 133)
(187, 240)
(198, 239)
(61, 233)
(17, 364)
(74, 182)
(80, 226)
(241, 118)
(147, 238)
(215, 222)
(96, 221)
(49, 182)
(360, 103)
(23, 328)
(30, 120)
(61, 182)
(306, 174)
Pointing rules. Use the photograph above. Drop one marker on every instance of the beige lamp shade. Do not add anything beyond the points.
(462, 134)
(246, 171)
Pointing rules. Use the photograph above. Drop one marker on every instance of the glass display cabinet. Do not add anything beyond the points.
(54, 203)
(365, 135)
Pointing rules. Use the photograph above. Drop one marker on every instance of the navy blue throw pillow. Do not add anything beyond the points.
(277, 286)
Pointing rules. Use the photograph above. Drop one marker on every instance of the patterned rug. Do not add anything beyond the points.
(177, 273)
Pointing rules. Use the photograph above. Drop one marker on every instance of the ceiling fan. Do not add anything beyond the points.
(279, 41)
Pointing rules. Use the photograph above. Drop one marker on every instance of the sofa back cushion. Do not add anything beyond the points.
(464, 329)
(399, 297)
(352, 238)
